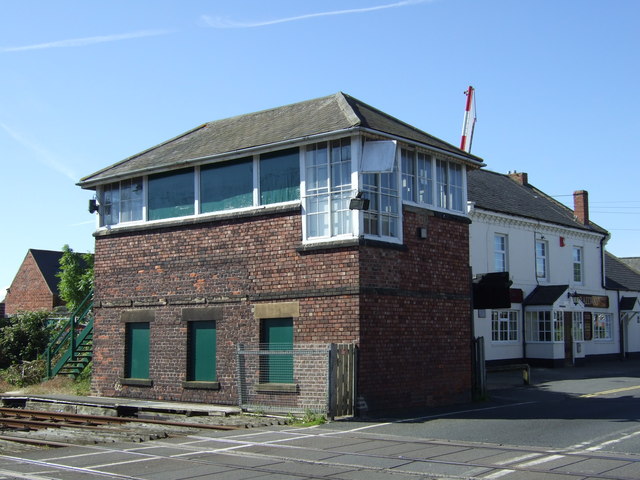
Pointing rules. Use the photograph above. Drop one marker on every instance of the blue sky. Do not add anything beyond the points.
(86, 84)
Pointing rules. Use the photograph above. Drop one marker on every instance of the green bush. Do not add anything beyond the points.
(23, 337)
(25, 373)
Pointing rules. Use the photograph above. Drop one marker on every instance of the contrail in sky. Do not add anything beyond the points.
(41, 155)
(219, 22)
(82, 42)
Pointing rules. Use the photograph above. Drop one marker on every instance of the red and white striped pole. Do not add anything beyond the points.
(469, 121)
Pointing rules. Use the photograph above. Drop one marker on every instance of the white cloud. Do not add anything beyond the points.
(41, 155)
(82, 42)
(219, 22)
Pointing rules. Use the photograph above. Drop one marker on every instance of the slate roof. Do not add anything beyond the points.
(619, 276)
(48, 263)
(499, 193)
(287, 123)
(545, 294)
(633, 262)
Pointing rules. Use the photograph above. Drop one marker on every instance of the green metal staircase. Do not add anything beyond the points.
(72, 349)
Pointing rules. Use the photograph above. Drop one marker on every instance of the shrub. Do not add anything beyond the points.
(23, 337)
(25, 373)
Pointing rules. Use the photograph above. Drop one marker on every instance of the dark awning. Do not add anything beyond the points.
(491, 290)
(545, 295)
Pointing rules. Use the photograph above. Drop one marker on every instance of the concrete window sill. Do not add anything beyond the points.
(137, 382)
(193, 385)
(277, 388)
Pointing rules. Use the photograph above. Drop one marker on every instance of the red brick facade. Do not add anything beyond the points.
(29, 290)
(407, 307)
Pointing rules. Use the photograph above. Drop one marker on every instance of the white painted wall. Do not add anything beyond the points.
(521, 236)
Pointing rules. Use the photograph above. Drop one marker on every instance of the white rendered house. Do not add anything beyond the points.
(560, 312)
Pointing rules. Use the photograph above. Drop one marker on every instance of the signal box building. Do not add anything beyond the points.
(322, 222)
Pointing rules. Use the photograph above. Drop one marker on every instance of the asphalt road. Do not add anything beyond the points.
(597, 406)
(571, 424)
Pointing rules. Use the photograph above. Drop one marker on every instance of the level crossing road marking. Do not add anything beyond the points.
(498, 474)
(608, 392)
(625, 436)
(538, 461)
(518, 459)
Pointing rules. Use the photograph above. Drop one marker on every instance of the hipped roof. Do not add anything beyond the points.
(288, 123)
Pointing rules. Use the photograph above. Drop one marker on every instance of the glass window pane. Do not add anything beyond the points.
(279, 176)
(171, 194)
(227, 185)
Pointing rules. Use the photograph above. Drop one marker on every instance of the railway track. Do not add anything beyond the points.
(56, 429)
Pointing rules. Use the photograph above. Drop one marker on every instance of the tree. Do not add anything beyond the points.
(76, 277)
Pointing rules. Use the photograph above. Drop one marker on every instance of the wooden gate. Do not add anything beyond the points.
(342, 380)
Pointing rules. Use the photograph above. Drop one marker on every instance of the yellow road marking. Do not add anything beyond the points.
(607, 392)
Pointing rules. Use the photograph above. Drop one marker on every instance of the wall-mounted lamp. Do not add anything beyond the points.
(93, 205)
(575, 298)
(359, 203)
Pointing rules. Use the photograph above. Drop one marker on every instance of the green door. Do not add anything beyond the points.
(277, 335)
(202, 351)
(137, 350)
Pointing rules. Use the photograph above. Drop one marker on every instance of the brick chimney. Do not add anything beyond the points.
(521, 178)
(581, 206)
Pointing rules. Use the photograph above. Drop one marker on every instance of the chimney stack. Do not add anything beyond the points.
(581, 206)
(521, 178)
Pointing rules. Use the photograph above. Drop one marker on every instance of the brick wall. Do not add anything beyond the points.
(29, 290)
(233, 264)
(406, 306)
(415, 313)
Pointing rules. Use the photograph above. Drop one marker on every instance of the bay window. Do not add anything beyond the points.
(544, 326)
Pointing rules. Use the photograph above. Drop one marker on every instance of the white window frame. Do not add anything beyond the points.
(502, 253)
(440, 192)
(376, 194)
(505, 323)
(117, 205)
(552, 324)
(603, 327)
(578, 265)
(542, 258)
(332, 193)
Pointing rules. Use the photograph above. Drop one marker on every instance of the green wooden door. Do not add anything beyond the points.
(277, 335)
(137, 350)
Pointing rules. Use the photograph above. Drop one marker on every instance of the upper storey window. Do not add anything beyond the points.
(121, 202)
(279, 176)
(328, 188)
(383, 217)
(265, 179)
(171, 194)
(430, 182)
(227, 185)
